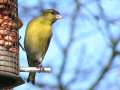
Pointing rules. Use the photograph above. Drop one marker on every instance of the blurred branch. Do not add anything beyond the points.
(25, 8)
(107, 22)
(65, 50)
(108, 66)
(77, 71)
(104, 71)
(104, 18)
(45, 85)
(113, 45)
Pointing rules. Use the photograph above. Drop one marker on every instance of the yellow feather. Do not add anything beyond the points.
(37, 35)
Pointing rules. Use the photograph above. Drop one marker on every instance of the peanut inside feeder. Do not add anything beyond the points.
(9, 48)
(8, 35)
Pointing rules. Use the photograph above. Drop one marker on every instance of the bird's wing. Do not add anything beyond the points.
(48, 42)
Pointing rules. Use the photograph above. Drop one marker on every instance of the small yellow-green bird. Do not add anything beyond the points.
(37, 38)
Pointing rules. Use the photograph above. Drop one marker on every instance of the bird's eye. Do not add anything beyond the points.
(52, 13)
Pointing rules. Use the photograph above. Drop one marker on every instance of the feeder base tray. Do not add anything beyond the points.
(9, 80)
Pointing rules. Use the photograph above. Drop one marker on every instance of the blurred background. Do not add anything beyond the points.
(84, 52)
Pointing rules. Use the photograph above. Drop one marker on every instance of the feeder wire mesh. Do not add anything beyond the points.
(9, 47)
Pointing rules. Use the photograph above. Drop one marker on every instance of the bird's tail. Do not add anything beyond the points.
(31, 77)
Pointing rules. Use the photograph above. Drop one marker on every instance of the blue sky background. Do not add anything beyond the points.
(89, 50)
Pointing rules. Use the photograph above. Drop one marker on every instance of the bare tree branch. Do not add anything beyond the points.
(65, 51)
(113, 45)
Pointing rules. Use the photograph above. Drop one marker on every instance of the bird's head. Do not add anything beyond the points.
(51, 15)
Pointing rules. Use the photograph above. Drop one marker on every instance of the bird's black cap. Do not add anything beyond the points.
(51, 11)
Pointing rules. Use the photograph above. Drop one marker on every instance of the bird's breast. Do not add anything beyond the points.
(37, 36)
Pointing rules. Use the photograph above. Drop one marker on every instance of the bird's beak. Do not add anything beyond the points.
(59, 17)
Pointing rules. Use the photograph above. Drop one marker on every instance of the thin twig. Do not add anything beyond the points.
(65, 50)
(21, 44)
(113, 47)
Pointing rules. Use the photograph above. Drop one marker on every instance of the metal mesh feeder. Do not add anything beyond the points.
(9, 47)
